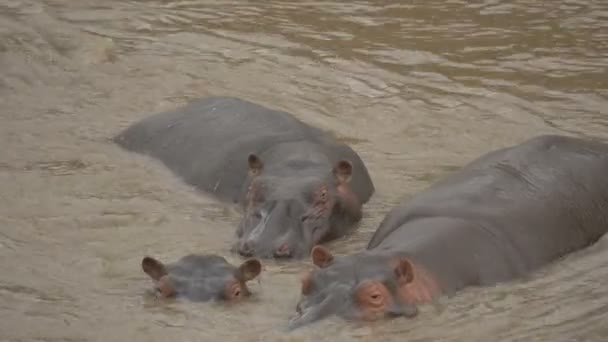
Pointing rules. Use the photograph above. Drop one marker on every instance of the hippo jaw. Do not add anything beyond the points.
(286, 216)
(341, 301)
(201, 277)
(358, 288)
(311, 309)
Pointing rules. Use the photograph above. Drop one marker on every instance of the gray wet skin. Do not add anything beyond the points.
(296, 184)
(201, 278)
(505, 214)
(357, 287)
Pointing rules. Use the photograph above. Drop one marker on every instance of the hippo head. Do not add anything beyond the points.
(286, 215)
(202, 277)
(360, 287)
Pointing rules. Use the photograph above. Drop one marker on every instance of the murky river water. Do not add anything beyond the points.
(418, 88)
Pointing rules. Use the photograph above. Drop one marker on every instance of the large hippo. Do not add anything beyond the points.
(297, 185)
(201, 277)
(502, 216)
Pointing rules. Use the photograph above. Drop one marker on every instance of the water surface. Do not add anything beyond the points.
(417, 87)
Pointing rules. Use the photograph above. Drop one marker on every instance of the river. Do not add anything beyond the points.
(418, 88)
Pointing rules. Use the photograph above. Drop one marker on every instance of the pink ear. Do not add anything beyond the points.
(404, 271)
(343, 171)
(255, 164)
(321, 256)
(154, 268)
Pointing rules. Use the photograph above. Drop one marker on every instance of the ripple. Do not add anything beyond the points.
(417, 88)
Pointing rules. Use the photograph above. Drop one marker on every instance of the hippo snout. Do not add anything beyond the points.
(249, 248)
(245, 249)
(283, 251)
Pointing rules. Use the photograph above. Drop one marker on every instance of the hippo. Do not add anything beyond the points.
(296, 185)
(202, 277)
(497, 219)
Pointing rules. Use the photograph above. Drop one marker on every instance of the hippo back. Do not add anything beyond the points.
(207, 142)
(537, 201)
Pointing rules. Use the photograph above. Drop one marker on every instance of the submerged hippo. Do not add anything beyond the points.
(297, 185)
(201, 278)
(505, 214)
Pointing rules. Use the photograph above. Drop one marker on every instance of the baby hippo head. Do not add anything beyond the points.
(288, 212)
(202, 277)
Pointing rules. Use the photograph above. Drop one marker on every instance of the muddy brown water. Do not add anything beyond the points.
(417, 87)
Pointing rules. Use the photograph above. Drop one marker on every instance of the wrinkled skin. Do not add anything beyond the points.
(497, 219)
(297, 186)
(202, 278)
(286, 216)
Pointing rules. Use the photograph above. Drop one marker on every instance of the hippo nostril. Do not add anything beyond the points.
(283, 251)
(245, 249)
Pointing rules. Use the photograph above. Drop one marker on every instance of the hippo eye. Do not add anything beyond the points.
(237, 291)
(234, 291)
(376, 299)
(373, 295)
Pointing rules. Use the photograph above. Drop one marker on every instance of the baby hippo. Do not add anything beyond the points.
(201, 277)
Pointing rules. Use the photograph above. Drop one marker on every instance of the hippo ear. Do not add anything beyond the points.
(250, 269)
(321, 256)
(255, 164)
(154, 268)
(343, 171)
(404, 271)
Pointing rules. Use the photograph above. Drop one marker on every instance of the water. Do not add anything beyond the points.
(417, 88)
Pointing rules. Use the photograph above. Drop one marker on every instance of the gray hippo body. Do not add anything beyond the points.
(298, 186)
(500, 217)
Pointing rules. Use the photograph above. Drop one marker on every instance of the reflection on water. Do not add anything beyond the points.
(418, 88)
